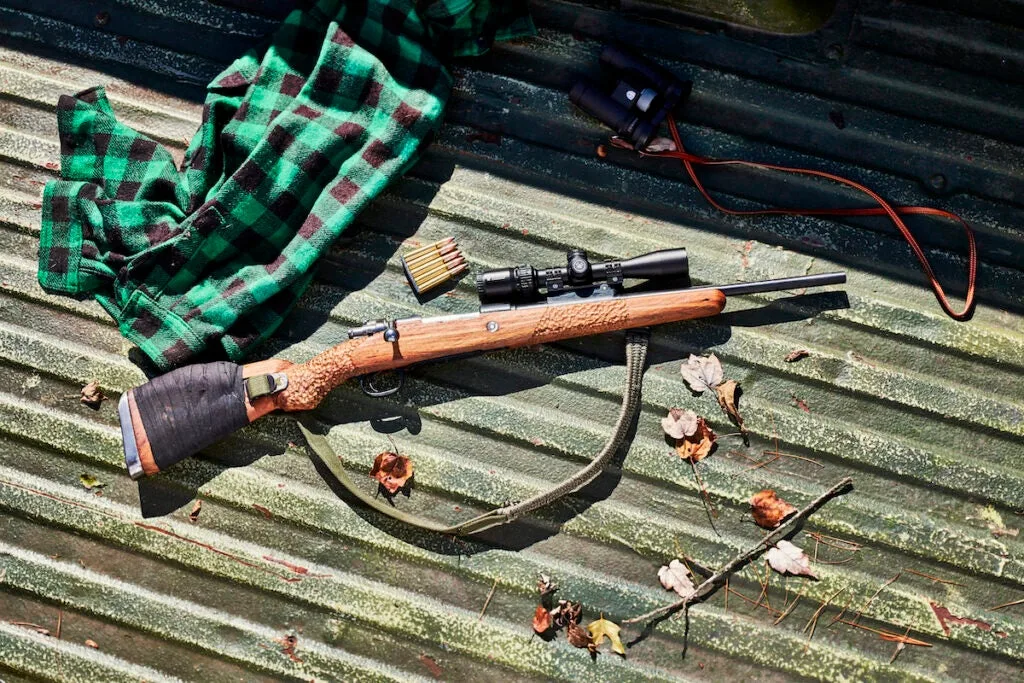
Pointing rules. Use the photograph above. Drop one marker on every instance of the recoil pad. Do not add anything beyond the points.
(181, 413)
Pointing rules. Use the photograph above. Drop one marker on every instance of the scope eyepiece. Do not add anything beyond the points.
(526, 283)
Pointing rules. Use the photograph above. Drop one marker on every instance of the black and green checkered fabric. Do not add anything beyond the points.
(296, 139)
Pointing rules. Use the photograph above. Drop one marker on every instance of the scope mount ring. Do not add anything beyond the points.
(366, 384)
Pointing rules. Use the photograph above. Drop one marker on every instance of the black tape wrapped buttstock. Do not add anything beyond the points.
(187, 410)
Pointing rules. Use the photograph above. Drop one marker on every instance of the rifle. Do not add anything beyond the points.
(177, 414)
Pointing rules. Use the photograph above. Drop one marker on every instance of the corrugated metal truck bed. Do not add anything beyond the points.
(279, 578)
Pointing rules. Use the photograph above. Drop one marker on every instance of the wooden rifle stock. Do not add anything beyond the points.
(178, 414)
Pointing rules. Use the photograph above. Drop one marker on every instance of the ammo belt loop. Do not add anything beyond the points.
(636, 357)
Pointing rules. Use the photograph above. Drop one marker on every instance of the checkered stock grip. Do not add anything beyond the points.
(177, 414)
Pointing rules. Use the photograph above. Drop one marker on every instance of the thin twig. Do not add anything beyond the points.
(60, 620)
(488, 600)
(792, 606)
(933, 578)
(36, 627)
(711, 584)
(779, 454)
(767, 581)
(763, 584)
(812, 623)
(872, 598)
(841, 613)
(1009, 604)
(741, 454)
(704, 492)
(837, 543)
(743, 597)
(819, 539)
(761, 463)
(888, 635)
(900, 646)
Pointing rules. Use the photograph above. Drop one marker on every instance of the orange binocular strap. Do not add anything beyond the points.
(884, 208)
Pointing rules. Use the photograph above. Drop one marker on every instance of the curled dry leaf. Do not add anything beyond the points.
(676, 577)
(545, 586)
(702, 373)
(679, 423)
(567, 612)
(660, 145)
(541, 620)
(578, 636)
(392, 471)
(698, 445)
(768, 510)
(92, 395)
(726, 394)
(786, 558)
(794, 356)
(600, 629)
(194, 515)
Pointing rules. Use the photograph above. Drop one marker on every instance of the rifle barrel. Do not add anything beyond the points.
(781, 283)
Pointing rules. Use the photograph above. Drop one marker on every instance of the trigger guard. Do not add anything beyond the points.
(366, 384)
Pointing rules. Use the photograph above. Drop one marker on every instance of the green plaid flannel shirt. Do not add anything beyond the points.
(295, 140)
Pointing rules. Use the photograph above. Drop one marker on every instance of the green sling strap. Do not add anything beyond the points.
(636, 356)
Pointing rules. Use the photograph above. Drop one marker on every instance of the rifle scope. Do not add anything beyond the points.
(526, 283)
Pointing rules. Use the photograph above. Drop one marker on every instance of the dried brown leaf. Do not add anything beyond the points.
(660, 145)
(567, 612)
(578, 636)
(768, 510)
(698, 445)
(92, 643)
(545, 586)
(392, 471)
(676, 577)
(702, 373)
(603, 628)
(786, 558)
(679, 423)
(726, 394)
(541, 620)
(92, 395)
(194, 515)
(794, 356)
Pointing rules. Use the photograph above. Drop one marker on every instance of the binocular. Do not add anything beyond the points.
(636, 99)
(526, 283)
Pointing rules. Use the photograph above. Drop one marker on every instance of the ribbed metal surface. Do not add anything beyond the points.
(926, 414)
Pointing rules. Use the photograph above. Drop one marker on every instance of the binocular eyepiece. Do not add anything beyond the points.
(640, 96)
(526, 283)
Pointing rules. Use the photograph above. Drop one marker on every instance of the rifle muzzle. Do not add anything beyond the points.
(178, 414)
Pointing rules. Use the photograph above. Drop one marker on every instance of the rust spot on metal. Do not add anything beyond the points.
(288, 645)
(67, 501)
(223, 553)
(946, 618)
(431, 666)
(295, 568)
